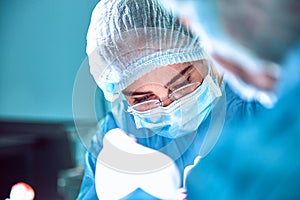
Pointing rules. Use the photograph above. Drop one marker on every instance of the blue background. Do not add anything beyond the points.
(42, 47)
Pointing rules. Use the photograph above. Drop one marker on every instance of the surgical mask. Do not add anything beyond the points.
(182, 116)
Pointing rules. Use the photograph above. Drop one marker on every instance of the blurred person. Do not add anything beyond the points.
(165, 95)
(258, 160)
(257, 41)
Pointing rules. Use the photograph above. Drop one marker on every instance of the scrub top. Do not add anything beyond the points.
(182, 150)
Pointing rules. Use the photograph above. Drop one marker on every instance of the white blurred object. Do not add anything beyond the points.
(124, 166)
(21, 191)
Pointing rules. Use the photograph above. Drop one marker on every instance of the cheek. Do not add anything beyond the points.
(129, 100)
(196, 77)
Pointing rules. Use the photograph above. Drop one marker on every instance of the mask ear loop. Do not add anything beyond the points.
(212, 71)
(120, 101)
(216, 75)
(205, 61)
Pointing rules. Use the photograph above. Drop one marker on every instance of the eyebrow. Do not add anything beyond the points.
(181, 73)
(129, 93)
(174, 79)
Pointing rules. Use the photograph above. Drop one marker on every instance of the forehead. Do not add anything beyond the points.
(162, 75)
(159, 76)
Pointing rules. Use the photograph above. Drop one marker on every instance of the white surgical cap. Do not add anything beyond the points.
(128, 38)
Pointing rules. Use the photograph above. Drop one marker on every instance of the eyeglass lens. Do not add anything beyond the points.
(175, 95)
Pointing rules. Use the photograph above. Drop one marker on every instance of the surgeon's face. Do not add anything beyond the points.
(159, 83)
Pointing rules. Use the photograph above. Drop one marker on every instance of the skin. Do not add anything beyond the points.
(158, 83)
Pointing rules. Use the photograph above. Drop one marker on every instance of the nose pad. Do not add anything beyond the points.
(166, 102)
(165, 99)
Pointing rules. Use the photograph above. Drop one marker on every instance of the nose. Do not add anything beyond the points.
(166, 102)
(165, 99)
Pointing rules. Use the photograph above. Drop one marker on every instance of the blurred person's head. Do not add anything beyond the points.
(246, 33)
(266, 27)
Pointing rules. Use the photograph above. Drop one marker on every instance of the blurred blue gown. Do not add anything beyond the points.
(236, 109)
(260, 159)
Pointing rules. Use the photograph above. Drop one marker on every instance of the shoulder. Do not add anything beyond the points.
(238, 108)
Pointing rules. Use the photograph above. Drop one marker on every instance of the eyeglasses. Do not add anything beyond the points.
(174, 95)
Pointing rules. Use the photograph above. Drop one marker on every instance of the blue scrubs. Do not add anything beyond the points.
(182, 150)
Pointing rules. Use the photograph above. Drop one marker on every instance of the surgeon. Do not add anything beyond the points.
(165, 95)
(260, 160)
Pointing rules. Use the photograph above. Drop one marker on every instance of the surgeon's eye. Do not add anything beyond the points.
(181, 83)
(189, 79)
(144, 98)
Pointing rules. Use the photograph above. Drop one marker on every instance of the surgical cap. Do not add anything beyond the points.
(128, 38)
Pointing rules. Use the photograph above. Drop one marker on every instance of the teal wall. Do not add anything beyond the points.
(42, 45)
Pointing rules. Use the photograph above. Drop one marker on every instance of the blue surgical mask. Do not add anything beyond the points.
(182, 116)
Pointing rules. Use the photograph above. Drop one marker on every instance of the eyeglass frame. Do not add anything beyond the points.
(159, 102)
